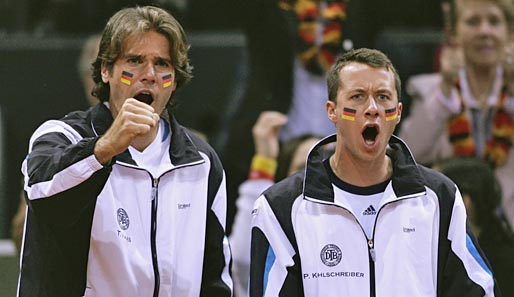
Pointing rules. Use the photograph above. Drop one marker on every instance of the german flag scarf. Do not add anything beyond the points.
(314, 18)
(499, 143)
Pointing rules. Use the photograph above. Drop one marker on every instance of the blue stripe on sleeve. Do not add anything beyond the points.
(474, 252)
(270, 260)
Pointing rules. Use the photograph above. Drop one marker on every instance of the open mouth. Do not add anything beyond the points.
(144, 97)
(370, 134)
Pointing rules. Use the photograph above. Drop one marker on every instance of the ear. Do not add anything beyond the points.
(105, 73)
(400, 107)
(331, 111)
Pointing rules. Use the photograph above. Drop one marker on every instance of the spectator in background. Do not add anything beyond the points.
(87, 56)
(481, 193)
(272, 162)
(467, 109)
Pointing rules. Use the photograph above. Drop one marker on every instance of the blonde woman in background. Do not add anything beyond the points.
(466, 109)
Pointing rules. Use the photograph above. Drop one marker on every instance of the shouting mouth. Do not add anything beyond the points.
(144, 97)
(370, 134)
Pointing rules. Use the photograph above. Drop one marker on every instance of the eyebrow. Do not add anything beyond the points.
(385, 91)
(158, 58)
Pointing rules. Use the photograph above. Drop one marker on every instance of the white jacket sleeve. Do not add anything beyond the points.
(465, 247)
(240, 237)
(274, 271)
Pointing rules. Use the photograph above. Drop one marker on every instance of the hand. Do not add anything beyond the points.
(265, 133)
(134, 119)
(451, 61)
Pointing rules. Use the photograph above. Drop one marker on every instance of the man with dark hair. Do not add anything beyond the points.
(368, 220)
(123, 200)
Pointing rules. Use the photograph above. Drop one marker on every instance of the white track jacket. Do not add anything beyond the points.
(116, 230)
(307, 242)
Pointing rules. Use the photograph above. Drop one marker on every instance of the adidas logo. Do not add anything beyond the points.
(370, 211)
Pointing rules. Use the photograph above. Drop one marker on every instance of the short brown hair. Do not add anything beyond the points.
(134, 20)
(370, 57)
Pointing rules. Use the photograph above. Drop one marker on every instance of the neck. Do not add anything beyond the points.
(481, 81)
(359, 173)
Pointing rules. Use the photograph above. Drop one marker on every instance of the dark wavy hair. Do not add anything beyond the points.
(135, 20)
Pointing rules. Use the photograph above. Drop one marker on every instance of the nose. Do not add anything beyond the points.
(485, 27)
(371, 108)
(149, 74)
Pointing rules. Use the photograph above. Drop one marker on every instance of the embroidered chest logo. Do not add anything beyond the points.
(331, 255)
(123, 219)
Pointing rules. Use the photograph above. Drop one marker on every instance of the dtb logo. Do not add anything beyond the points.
(123, 219)
(331, 255)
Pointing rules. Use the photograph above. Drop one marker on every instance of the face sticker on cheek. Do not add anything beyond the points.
(167, 80)
(126, 77)
(391, 114)
(348, 114)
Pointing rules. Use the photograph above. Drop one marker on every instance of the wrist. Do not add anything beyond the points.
(102, 152)
(262, 168)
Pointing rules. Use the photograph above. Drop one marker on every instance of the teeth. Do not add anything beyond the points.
(370, 142)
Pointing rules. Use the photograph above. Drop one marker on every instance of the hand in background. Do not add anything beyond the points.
(265, 133)
(451, 61)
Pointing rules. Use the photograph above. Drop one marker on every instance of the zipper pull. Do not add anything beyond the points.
(371, 250)
(154, 188)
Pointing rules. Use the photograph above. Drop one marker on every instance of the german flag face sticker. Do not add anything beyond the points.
(126, 77)
(391, 114)
(167, 80)
(348, 114)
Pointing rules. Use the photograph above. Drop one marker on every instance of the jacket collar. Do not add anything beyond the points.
(182, 149)
(407, 179)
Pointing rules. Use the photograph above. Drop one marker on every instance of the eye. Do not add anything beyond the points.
(473, 21)
(383, 97)
(357, 97)
(133, 60)
(163, 63)
(494, 21)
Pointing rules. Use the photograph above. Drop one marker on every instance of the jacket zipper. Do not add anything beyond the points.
(153, 227)
(372, 258)
(371, 249)
(153, 233)
(370, 241)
